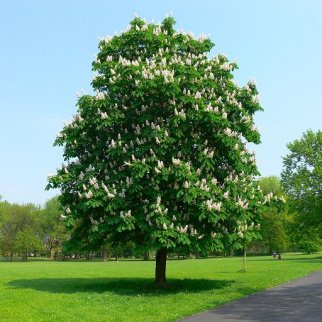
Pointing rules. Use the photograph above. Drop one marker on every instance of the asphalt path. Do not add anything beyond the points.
(297, 301)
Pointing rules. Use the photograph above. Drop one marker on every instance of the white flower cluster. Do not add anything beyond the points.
(268, 197)
(94, 183)
(254, 128)
(226, 66)
(242, 203)
(89, 194)
(180, 113)
(143, 28)
(159, 166)
(186, 184)
(182, 230)
(108, 38)
(125, 62)
(246, 119)
(100, 95)
(203, 184)
(202, 37)
(109, 194)
(213, 235)
(159, 210)
(242, 228)
(176, 161)
(157, 31)
(255, 99)
(211, 205)
(231, 133)
(231, 100)
(126, 214)
(214, 181)
(193, 231)
(208, 154)
(210, 108)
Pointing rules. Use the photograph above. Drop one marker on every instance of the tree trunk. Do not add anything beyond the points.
(24, 256)
(160, 268)
(48, 253)
(146, 255)
(105, 253)
(244, 259)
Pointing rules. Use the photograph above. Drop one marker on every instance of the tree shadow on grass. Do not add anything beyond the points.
(120, 286)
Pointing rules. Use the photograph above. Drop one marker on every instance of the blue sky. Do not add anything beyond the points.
(47, 48)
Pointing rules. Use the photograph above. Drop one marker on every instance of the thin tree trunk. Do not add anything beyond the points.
(146, 255)
(244, 260)
(48, 253)
(160, 268)
(105, 253)
(24, 256)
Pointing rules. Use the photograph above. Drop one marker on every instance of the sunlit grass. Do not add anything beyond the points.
(124, 291)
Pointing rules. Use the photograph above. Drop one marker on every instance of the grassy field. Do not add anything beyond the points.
(124, 291)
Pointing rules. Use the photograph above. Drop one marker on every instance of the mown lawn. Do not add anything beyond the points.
(124, 291)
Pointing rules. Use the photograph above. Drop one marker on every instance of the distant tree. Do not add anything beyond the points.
(274, 222)
(158, 156)
(7, 236)
(302, 176)
(26, 241)
(19, 229)
(299, 230)
(271, 184)
(54, 230)
(302, 181)
(308, 246)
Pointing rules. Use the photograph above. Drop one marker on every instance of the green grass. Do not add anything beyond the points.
(124, 291)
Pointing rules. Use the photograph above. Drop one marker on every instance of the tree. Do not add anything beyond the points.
(300, 230)
(274, 224)
(158, 156)
(27, 241)
(20, 229)
(302, 181)
(308, 246)
(53, 229)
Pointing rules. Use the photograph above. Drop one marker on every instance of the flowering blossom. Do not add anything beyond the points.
(182, 230)
(213, 205)
(241, 203)
(176, 161)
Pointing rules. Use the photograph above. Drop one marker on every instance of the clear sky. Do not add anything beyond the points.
(47, 48)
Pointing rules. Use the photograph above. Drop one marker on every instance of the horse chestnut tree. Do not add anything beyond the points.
(158, 156)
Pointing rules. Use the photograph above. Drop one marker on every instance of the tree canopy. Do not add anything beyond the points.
(159, 155)
(275, 221)
(302, 176)
(19, 229)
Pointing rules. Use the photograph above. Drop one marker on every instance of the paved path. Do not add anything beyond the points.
(296, 301)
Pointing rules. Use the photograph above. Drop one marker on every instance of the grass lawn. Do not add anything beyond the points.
(124, 291)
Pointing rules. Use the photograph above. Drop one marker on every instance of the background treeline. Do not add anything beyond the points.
(31, 230)
(286, 230)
